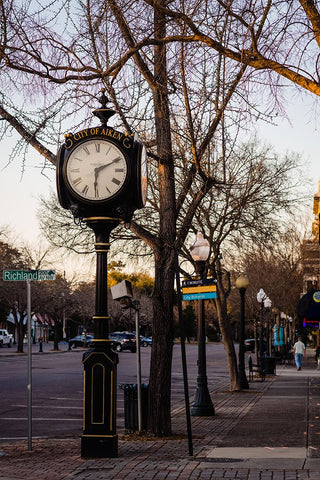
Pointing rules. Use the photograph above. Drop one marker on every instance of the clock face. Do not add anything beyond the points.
(144, 175)
(96, 170)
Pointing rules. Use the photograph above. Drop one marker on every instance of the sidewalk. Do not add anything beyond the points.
(269, 432)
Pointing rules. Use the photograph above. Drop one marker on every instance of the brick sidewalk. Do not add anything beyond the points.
(159, 459)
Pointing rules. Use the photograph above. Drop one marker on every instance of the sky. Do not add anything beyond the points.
(19, 194)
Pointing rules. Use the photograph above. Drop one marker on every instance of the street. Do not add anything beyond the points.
(57, 387)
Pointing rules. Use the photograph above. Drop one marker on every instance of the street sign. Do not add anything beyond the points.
(199, 296)
(200, 289)
(200, 282)
(24, 275)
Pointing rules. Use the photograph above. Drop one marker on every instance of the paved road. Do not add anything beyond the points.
(224, 449)
(57, 387)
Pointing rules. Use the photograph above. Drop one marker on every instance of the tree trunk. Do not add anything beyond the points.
(162, 343)
(19, 329)
(55, 335)
(229, 346)
(20, 335)
(161, 357)
(221, 305)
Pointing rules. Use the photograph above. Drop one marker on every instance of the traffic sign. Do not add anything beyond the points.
(24, 275)
(199, 296)
(200, 282)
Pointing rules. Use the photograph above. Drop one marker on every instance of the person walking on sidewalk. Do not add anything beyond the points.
(299, 350)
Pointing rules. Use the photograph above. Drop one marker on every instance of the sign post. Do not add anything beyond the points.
(28, 276)
(29, 382)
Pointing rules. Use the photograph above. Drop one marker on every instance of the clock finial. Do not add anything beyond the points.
(104, 113)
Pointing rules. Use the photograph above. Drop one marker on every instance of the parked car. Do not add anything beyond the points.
(123, 341)
(249, 345)
(78, 340)
(6, 338)
(146, 341)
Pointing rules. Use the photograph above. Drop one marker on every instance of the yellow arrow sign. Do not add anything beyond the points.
(202, 289)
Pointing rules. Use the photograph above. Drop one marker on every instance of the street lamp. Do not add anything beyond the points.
(242, 284)
(202, 405)
(267, 304)
(261, 297)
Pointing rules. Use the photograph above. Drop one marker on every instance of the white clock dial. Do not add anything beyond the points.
(96, 170)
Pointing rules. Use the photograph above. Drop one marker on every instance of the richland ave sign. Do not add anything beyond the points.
(25, 275)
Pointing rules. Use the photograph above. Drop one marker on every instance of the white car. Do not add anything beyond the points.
(6, 338)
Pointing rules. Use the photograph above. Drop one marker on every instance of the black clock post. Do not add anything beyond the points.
(102, 179)
(99, 438)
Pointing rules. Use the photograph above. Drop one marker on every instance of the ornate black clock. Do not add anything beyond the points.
(101, 171)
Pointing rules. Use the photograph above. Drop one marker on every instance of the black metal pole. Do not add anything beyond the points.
(202, 405)
(261, 338)
(242, 372)
(99, 437)
(268, 331)
(183, 357)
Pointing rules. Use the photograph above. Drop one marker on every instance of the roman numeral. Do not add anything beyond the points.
(119, 169)
(85, 190)
(86, 149)
(97, 147)
(116, 181)
(75, 170)
(76, 181)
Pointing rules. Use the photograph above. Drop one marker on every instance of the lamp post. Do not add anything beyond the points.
(261, 297)
(267, 304)
(242, 284)
(202, 405)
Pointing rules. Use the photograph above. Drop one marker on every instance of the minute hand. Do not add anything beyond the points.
(98, 169)
(96, 173)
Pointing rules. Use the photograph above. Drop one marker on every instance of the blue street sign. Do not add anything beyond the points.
(199, 296)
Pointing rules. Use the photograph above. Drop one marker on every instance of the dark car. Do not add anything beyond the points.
(146, 341)
(123, 341)
(79, 340)
(249, 345)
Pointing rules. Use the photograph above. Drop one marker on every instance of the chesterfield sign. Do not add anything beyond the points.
(25, 275)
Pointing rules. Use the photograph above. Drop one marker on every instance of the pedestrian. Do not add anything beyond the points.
(299, 350)
(317, 355)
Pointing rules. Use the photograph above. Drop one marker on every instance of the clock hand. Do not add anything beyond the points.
(96, 173)
(98, 169)
(95, 184)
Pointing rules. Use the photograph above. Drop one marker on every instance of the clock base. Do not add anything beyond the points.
(99, 446)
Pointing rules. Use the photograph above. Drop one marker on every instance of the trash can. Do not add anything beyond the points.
(131, 406)
(270, 365)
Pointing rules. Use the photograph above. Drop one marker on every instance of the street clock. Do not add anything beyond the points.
(102, 172)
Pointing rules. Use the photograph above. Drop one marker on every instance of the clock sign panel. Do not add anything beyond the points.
(96, 170)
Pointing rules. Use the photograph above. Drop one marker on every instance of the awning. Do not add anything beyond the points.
(309, 306)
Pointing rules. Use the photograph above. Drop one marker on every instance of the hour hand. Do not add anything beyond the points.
(95, 184)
